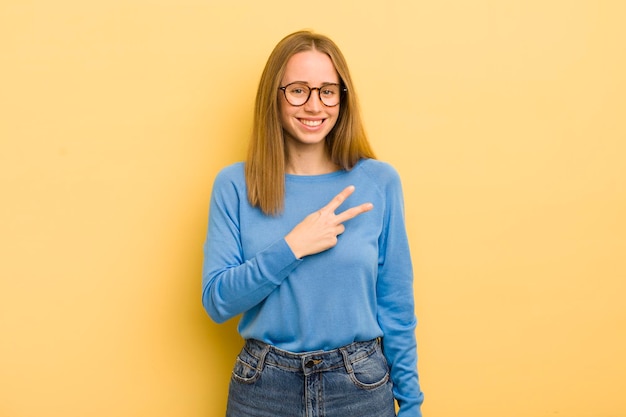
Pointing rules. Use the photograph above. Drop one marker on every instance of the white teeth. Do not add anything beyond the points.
(311, 123)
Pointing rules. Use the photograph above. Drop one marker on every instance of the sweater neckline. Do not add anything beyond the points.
(319, 177)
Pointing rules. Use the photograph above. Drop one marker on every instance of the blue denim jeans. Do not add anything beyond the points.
(352, 381)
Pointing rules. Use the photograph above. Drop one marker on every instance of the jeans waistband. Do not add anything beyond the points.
(309, 362)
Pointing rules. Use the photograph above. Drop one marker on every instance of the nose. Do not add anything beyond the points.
(314, 103)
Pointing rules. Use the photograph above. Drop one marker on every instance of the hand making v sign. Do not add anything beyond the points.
(319, 230)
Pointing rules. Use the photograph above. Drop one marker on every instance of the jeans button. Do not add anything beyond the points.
(312, 362)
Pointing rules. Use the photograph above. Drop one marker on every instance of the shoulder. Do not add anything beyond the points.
(380, 172)
(230, 182)
(231, 174)
(384, 178)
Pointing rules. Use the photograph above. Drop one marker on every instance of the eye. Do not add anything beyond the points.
(329, 90)
(298, 90)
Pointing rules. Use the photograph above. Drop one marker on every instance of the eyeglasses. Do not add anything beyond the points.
(297, 94)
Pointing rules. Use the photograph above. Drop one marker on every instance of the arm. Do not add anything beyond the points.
(396, 313)
(231, 284)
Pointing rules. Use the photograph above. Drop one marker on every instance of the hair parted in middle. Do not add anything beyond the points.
(347, 142)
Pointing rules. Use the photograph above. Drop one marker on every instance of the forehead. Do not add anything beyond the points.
(313, 67)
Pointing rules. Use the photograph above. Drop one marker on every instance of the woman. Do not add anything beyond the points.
(307, 241)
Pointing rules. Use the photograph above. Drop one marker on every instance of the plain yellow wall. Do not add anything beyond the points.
(506, 120)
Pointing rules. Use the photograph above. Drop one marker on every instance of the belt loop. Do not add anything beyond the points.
(346, 360)
(264, 352)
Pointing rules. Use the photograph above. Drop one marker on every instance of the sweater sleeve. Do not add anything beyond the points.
(231, 284)
(396, 314)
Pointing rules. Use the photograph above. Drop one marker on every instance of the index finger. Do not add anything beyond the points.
(339, 199)
(353, 212)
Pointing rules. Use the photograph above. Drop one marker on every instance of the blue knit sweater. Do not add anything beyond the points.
(358, 290)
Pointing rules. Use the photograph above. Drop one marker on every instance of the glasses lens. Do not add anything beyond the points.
(330, 94)
(297, 94)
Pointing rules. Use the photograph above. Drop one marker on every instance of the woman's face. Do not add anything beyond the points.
(310, 123)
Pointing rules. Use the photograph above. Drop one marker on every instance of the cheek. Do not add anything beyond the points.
(284, 112)
(335, 115)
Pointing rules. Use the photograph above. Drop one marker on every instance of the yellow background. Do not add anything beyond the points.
(506, 120)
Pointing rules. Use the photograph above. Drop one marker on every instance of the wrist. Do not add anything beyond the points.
(294, 249)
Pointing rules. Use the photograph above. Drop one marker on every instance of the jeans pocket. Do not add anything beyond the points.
(247, 368)
(370, 372)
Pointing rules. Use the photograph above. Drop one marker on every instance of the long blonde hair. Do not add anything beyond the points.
(265, 165)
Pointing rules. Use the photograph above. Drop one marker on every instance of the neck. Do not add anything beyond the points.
(307, 161)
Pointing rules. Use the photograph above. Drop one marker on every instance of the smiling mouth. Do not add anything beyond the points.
(311, 123)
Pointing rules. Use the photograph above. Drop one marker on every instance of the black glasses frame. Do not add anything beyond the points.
(342, 90)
